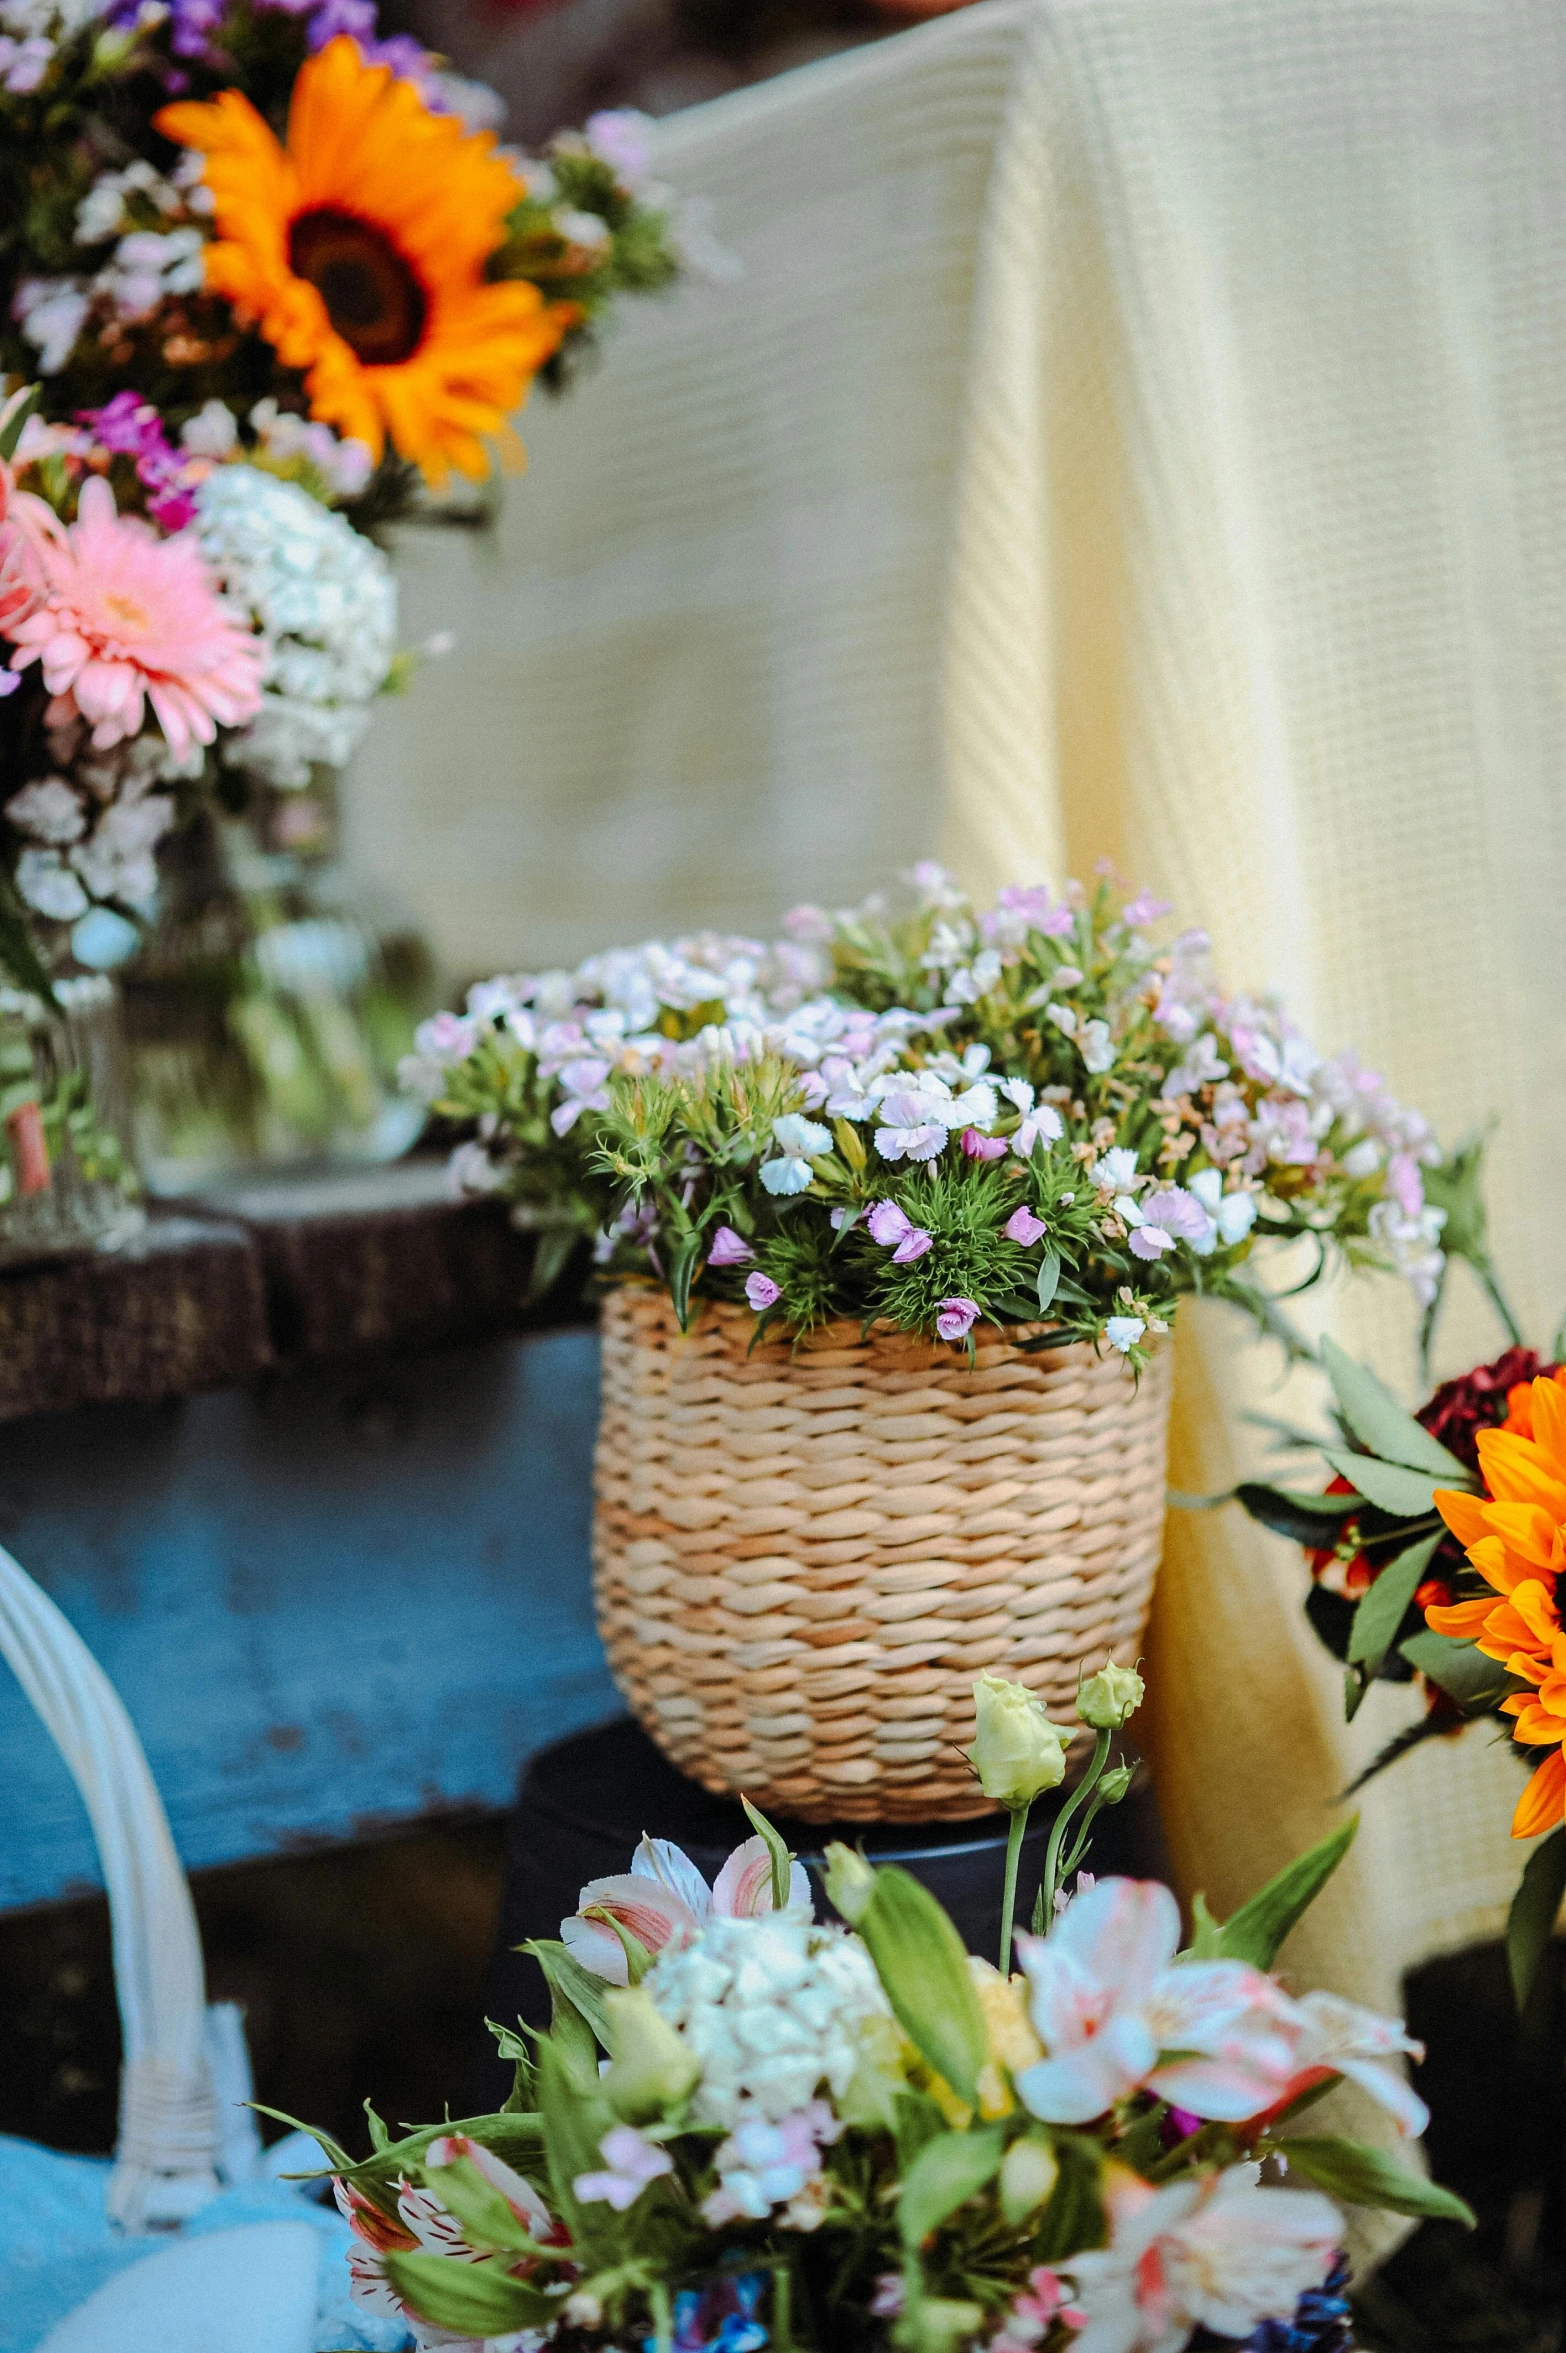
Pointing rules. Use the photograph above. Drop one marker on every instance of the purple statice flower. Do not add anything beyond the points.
(128, 426)
(195, 28)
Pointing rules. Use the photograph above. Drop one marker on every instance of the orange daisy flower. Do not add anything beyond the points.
(1516, 1538)
(359, 251)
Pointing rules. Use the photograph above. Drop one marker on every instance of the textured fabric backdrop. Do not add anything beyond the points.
(1140, 429)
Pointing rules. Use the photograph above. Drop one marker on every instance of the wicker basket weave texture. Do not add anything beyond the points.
(802, 1560)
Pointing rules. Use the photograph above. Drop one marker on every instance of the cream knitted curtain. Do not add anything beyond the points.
(1140, 429)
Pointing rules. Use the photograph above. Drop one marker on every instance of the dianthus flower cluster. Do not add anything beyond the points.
(1030, 1115)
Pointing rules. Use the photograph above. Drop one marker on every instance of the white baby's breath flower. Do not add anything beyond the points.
(325, 599)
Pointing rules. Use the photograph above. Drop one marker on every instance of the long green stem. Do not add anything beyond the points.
(1057, 1836)
(1499, 1301)
(1019, 1823)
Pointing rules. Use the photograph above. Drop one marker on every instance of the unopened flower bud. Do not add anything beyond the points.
(652, 2068)
(1108, 1700)
(1028, 2174)
(850, 1882)
(1017, 1752)
(1114, 1784)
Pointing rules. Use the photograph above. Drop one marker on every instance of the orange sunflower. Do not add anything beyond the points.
(1516, 1538)
(359, 251)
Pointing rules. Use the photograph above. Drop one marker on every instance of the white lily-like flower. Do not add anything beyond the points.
(1213, 2249)
(1106, 1999)
(663, 1900)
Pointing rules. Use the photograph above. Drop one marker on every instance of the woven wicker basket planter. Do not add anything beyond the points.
(802, 1560)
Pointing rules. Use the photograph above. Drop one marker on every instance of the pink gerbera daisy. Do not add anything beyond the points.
(129, 619)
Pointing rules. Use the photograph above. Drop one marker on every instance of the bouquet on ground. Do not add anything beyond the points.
(1034, 1115)
(1436, 1551)
(744, 2128)
(269, 275)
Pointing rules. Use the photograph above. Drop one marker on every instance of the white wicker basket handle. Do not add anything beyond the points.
(166, 2162)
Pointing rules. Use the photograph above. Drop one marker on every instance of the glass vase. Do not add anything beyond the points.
(66, 1178)
(270, 1007)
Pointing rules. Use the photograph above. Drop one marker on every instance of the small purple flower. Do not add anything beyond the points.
(630, 2164)
(955, 1318)
(729, 1249)
(621, 136)
(1405, 1184)
(1144, 908)
(1022, 1226)
(896, 1232)
(762, 1292)
(980, 1147)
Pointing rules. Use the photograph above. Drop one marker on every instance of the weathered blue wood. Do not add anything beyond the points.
(332, 1603)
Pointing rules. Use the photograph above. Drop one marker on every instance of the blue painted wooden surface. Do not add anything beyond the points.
(333, 1602)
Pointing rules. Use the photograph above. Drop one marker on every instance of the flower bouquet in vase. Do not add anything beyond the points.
(893, 1217)
(269, 284)
(748, 2129)
(1436, 1550)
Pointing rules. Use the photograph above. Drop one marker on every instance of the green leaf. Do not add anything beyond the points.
(575, 2120)
(916, 2120)
(17, 416)
(782, 1859)
(551, 1256)
(638, 1960)
(1049, 1280)
(1259, 1927)
(1367, 2177)
(1530, 1924)
(19, 957)
(923, 1967)
(1074, 2220)
(681, 1274)
(1312, 1520)
(571, 1984)
(1407, 1495)
(1460, 1668)
(1206, 1932)
(1385, 1606)
(1387, 1428)
(944, 2175)
(469, 2298)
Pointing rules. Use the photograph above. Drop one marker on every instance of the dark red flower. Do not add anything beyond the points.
(1476, 1401)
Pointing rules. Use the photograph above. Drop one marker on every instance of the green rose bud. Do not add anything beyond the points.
(651, 2067)
(1028, 2174)
(1017, 1752)
(850, 1882)
(1110, 1698)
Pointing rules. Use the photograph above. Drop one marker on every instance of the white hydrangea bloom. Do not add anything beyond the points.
(327, 602)
(773, 2008)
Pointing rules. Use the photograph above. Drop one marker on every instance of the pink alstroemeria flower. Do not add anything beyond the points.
(663, 1900)
(761, 1292)
(895, 1231)
(729, 1249)
(1106, 1999)
(1284, 2047)
(427, 2226)
(955, 1318)
(1022, 1226)
(1033, 2314)
(1213, 2249)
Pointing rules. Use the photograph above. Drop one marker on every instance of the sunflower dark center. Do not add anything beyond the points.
(372, 295)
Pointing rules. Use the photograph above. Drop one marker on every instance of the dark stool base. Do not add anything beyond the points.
(584, 1804)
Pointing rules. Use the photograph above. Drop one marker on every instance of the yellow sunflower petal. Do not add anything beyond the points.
(1464, 1514)
(1517, 1470)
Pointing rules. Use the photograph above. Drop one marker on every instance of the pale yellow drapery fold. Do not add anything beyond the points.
(1140, 431)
